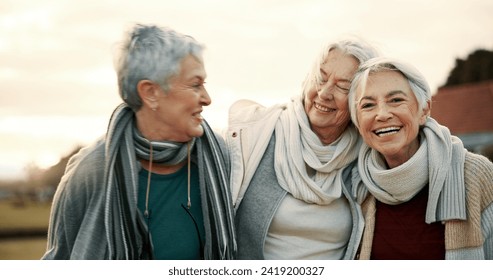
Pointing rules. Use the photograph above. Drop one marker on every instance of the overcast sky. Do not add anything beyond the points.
(58, 87)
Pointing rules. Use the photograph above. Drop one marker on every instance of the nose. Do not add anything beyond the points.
(325, 91)
(205, 99)
(383, 113)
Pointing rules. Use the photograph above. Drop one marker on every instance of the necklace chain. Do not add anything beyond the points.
(148, 188)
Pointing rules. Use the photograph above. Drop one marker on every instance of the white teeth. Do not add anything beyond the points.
(388, 130)
(198, 116)
(322, 108)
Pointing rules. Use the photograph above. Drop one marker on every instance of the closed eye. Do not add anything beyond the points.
(198, 85)
(396, 100)
(345, 89)
(366, 105)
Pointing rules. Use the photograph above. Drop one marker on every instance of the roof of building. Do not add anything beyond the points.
(465, 108)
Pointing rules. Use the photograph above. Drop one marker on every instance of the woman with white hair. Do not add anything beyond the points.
(292, 165)
(423, 195)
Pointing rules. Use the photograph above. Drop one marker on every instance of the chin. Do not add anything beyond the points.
(197, 132)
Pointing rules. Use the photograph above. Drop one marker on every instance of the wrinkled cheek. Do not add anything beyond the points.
(310, 111)
(365, 131)
(343, 106)
(375, 144)
(367, 137)
(307, 107)
(309, 96)
(341, 99)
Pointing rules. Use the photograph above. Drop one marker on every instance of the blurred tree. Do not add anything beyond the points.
(39, 184)
(488, 152)
(51, 176)
(476, 68)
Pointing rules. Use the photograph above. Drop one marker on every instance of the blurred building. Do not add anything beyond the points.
(467, 110)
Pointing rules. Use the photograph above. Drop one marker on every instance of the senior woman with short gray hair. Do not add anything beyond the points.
(156, 186)
(423, 195)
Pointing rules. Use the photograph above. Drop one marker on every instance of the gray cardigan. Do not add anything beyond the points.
(261, 201)
(77, 228)
(77, 224)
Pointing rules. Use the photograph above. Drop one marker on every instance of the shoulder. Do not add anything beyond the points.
(215, 136)
(479, 167)
(249, 111)
(85, 169)
(88, 160)
(243, 104)
(244, 110)
(478, 175)
(220, 140)
(222, 144)
(219, 144)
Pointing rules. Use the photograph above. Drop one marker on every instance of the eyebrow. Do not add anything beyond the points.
(197, 77)
(390, 94)
(395, 92)
(366, 97)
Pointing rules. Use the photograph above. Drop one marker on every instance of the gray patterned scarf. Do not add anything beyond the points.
(125, 229)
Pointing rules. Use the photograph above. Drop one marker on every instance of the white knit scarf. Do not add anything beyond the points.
(439, 162)
(298, 148)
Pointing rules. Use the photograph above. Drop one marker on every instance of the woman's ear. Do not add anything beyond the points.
(148, 92)
(425, 113)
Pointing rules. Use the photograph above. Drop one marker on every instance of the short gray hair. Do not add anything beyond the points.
(152, 53)
(352, 45)
(417, 81)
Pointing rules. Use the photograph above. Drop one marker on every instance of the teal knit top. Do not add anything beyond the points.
(173, 232)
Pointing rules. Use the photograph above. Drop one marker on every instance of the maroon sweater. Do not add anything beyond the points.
(402, 234)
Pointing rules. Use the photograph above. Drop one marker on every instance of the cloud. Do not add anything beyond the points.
(57, 56)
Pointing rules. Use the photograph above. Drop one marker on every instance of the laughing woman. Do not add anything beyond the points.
(429, 198)
(292, 163)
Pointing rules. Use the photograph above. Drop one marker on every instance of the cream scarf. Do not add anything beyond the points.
(298, 149)
(439, 162)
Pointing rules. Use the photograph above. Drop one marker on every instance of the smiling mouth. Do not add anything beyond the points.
(322, 108)
(387, 131)
(198, 116)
